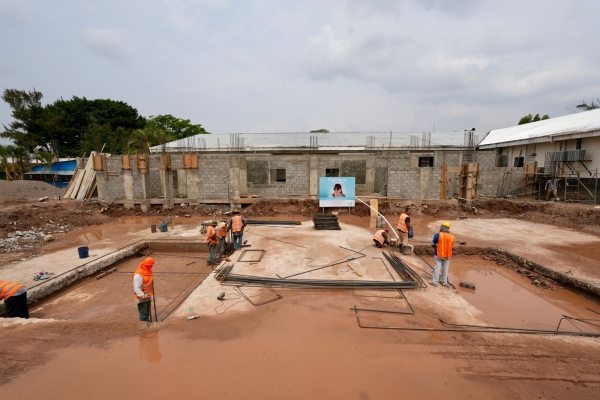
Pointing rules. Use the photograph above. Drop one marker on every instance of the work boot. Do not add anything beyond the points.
(433, 283)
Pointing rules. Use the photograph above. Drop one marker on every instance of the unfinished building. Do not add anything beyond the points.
(236, 168)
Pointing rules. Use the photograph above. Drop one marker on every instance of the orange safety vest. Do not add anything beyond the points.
(222, 232)
(147, 286)
(7, 289)
(444, 245)
(379, 236)
(402, 223)
(211, 235)
(236, 224)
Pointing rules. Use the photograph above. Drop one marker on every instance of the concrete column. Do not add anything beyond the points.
(314, 175)
(243, 173)
(234, 177)
(370, 174)
(145, 179)
(101, 185)
(182, 182)
(166, 180)
(128, 184)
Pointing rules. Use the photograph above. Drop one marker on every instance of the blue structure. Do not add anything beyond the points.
(58, 174)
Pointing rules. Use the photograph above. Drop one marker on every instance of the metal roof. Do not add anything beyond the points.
(338, 141)
(586, 121)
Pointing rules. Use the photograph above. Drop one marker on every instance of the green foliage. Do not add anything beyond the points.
(585, 107)
(141, 140)
(320, 131)
(26, 109)
(529, 118)
(175, 128)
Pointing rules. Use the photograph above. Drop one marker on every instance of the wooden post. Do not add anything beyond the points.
(443, 182)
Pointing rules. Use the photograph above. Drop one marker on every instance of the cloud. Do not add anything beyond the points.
(108, 44)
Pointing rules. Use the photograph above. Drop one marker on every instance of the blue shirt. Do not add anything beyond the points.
(434, 243)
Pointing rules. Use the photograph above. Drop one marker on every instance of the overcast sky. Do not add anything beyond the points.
(286, 66)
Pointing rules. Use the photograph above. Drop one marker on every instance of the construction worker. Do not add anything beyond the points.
(403, 229)
(236, 225)
(381, 237)
(552, 188)
(442, 244)
(221, 235)
(211, 240)
(143, 288)
(15, 297)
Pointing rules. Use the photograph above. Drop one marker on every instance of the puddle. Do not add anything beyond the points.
(508, 299)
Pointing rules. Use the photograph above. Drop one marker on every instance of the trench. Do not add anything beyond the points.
(180, 267)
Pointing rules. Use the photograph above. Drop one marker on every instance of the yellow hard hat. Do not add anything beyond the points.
(446, 224)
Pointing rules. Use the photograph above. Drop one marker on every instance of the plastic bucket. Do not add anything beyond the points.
(83, 251)
(164, 227)
(153, 228)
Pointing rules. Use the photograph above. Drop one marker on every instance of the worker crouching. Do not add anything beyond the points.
(143, 288)
(381, 238)
(15, 297)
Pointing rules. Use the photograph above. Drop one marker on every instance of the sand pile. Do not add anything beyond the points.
(27, 190)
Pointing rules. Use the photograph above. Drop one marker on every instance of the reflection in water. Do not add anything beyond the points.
(149, 347)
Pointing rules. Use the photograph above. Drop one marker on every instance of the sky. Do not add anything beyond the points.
(294, 66)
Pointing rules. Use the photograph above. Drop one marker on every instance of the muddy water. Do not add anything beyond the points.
(508, 299)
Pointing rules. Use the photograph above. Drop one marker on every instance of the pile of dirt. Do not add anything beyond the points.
(13, 191)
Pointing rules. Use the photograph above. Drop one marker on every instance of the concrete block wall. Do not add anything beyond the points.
(114, 184)
(212, 168)
(297, 178)
(258, 172)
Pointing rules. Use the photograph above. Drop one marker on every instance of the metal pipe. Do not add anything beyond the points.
(378, 213)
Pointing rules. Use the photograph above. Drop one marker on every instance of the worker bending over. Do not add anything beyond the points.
(403, 229)
(15, 297)
(211, 240)
(143, 288)
(237, 224)
(221, 235)
(381, 237)
(442, 244)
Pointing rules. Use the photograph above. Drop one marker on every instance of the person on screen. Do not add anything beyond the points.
(337, 191)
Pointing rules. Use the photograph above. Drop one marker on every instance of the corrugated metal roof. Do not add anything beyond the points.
(586, 121)
(324, 141)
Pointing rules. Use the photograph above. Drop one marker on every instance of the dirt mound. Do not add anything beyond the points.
(11, 191)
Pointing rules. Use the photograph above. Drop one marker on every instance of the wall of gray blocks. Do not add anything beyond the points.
(211, 179)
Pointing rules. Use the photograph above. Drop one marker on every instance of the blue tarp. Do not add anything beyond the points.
(62, 166)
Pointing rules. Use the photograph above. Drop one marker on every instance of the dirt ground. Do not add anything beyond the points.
(306, 345)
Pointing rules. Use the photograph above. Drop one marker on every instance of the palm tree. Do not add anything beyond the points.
(21, 156)
(5, 154)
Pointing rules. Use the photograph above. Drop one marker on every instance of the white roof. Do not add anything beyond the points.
(586, 121)
(304, 140)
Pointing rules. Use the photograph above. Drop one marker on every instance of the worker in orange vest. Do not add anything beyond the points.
(15, 297)
(211, 240)
(236, 225)
(143, 288)
(221, 235)
(381, 238)
(442, 244)
(403, 229)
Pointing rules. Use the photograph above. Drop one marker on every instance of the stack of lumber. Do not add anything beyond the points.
(83, 183)
(326, 222)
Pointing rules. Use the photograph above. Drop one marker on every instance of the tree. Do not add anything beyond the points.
(26, 110)
(529, 118)
(5, 154)
(175, 128)
(585, 107)
(141, 140)
(320, 131)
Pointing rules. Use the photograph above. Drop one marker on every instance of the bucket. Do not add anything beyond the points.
(153, 228)
(164, 227)
(83, 252)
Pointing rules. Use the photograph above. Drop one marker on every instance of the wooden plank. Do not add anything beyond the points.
(79, 179)
(69, 188)
(90, 175)
(374, 203)
(454, 169)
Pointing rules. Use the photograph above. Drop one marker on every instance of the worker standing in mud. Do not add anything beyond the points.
(15, 297)
(221, 235)
(381, 238)
(143, 288)
(403, 229)
(237, 224)
(211, 240)
(442, 244)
